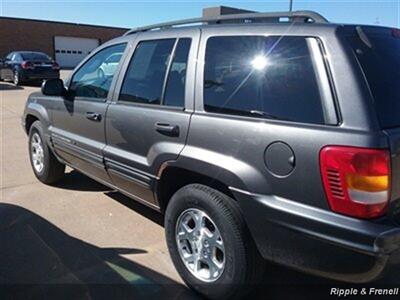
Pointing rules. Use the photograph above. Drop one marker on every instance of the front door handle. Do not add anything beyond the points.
(93, 116)
(167, 129)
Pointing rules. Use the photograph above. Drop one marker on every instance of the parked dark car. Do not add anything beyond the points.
(24, 66)
(277, 138)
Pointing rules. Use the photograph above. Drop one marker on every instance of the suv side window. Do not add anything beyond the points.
(144, 79)
(91, 81)
(267, 77)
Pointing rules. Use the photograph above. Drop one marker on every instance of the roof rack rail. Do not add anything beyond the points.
(295, 16)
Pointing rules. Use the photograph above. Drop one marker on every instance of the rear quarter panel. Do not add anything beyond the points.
(236, 145)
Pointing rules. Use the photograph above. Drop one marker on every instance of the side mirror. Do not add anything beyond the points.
(53, 87)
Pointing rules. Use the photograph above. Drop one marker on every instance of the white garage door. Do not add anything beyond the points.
(71, 50)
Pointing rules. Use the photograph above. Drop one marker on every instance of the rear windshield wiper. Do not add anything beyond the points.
(262, 114)
(210, 83)
(267, 115)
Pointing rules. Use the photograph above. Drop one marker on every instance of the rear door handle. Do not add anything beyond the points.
(167, 129)
(93, 116)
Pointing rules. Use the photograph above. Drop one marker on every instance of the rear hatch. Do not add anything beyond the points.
(378, 53)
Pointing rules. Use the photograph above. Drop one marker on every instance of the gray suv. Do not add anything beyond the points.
(260, 136)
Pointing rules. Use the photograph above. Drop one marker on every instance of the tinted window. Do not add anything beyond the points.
(34, 56)
(144, 79)
(381, 66)
(175, 89)
(91, 81)
(269, 77)
(15, 57)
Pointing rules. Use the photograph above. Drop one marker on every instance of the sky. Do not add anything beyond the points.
(133, 13)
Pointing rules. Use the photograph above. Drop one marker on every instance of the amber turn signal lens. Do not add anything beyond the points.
(367, 183)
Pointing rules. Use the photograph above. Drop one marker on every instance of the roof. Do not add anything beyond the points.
(241, 18)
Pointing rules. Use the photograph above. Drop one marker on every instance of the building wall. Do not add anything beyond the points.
(216, 11)
(24, 34)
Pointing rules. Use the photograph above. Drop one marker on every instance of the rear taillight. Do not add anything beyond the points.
(55, 66)
(356, 180)
(396, 32)
(27, 65)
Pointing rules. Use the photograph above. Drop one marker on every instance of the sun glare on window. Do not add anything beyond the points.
(259, 62)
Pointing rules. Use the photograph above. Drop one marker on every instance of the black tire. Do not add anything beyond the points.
(243, 263)
(52, 170)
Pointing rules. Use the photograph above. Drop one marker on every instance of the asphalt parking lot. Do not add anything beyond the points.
(80, 232)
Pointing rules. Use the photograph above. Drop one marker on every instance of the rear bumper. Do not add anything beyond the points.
(39, 74)
(319, 241)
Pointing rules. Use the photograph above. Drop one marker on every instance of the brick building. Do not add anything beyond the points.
(68, 43)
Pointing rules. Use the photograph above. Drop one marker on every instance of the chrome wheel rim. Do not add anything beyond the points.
(37, 152)
(200, 245)
(16, 78)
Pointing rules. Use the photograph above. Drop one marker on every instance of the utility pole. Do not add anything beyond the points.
(290, 5)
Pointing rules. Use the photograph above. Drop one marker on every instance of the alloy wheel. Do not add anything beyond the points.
(16, 78)
(37, 152)
(200, 245)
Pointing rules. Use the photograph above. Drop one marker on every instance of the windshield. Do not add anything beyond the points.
(34, 56)
(378, 52)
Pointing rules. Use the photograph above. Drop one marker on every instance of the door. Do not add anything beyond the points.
(148, 121)
(77, 130)
(7, 68)
(70, 51)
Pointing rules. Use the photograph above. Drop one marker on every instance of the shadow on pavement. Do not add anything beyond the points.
(9, 87)
(141, 209)
(40, 261)
(77, 181)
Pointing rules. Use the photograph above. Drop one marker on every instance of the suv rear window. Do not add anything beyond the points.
(266, 77)
(380, 62)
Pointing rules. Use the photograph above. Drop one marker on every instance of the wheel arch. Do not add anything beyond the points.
(35, 112)
(172, 176)
(29, 120)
